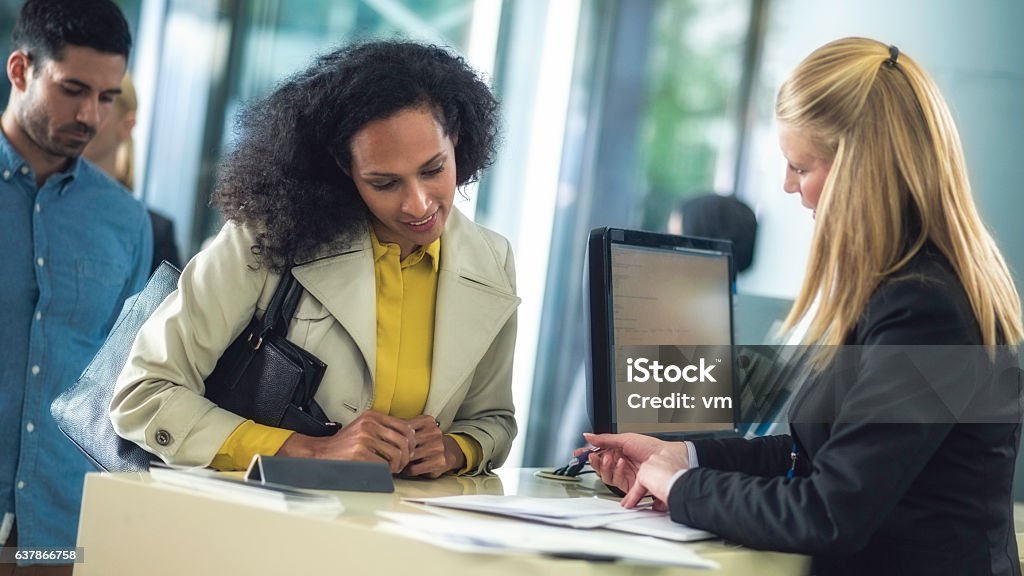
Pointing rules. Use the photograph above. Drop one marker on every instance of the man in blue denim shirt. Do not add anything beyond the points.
(73, 246)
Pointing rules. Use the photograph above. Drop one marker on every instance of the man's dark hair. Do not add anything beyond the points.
(46, 27)
(286, 175)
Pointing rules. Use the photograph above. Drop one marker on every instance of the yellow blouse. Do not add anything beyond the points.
(406, 294)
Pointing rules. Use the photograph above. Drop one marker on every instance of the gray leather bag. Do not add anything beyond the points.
(261, 376)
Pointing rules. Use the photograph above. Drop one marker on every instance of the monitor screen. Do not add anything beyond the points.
(661, 334)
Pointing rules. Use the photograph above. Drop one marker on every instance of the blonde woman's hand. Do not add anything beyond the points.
(654, 475)
(621, 456)
(434, 453)
(372, 437)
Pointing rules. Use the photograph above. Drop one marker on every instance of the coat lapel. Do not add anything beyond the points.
(474, 301)
(344, 283)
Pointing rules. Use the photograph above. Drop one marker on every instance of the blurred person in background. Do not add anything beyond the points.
(113, 151)
(722, 218)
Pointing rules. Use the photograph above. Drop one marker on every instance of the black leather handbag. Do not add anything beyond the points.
(261, 376)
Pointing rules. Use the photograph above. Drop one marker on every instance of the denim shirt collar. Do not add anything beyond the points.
(11, 163)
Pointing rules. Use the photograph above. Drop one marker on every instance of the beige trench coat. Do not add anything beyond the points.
(158, 402)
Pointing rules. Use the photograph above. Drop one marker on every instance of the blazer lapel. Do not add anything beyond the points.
(345, 284)
(474, 301)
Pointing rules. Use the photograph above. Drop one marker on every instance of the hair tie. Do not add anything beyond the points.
(894, 56)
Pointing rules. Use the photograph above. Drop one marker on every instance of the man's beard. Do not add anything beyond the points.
(35, 122)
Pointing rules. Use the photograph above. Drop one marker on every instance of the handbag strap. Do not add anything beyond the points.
(282, 304)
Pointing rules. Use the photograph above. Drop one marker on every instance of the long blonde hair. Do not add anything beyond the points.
(898, 179)
(124, 162)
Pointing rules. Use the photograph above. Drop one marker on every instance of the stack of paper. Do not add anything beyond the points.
(509, 537)
(574, 513)
(659, 525)
(571, 512)
(271, 496)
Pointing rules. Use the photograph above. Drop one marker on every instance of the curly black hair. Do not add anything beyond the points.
(283, 176)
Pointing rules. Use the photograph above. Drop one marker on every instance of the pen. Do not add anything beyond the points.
(577, 463)
(584, 458)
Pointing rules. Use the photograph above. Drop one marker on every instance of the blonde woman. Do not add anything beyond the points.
(900, 259)
(113, 151)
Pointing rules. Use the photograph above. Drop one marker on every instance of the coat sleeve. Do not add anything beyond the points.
(764, 456)
(487, 414)
(862, 470)
(158, 400)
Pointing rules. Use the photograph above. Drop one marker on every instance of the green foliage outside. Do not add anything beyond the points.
(690, 104)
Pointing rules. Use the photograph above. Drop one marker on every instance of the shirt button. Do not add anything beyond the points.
(21, 484)
(38, 208)
(30, 427)
(40, 261)
(35, 370)
(24, 169)
(163, 437)
(39, 315)
(7, 174)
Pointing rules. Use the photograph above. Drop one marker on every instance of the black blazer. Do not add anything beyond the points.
(164, 247)
(871, 497)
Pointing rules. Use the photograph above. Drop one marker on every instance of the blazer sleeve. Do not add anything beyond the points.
(487, 414)
(158, 400)
(862, 470)
(763, 456)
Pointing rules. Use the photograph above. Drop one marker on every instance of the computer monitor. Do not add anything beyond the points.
(660, 334)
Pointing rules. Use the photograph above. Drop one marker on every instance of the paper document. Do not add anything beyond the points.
(271, 496)
(510, 537)
(574, 513)
(519, 506)
(659, 525)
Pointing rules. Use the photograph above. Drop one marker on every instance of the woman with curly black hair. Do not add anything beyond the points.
(347, 174)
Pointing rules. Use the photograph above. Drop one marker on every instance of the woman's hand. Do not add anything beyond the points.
(622, 456)
(434, 453)
(372, 437)
(654, 475)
